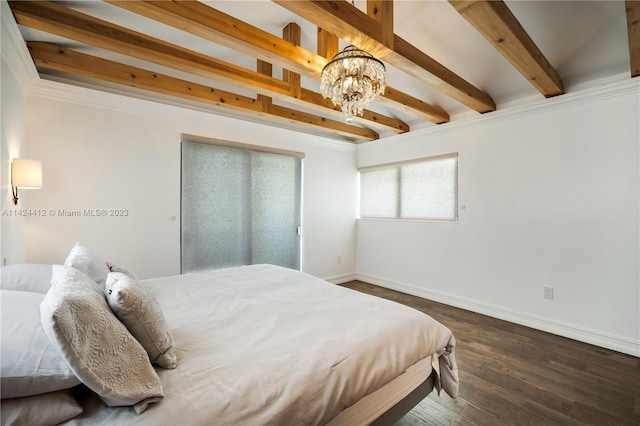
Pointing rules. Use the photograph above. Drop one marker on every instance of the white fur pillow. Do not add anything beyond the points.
(140, 312)
(104, 356)
(84, 260)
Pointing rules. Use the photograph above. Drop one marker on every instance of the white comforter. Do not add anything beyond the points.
(264, 345)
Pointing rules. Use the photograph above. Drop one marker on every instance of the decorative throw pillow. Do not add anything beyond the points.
(30, 364)
(106, 358)
(46, 409)
(32, 277)
(139, 310)
(123, 269)
(84, 260)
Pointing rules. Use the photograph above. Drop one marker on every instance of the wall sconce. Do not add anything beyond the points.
(25, 174)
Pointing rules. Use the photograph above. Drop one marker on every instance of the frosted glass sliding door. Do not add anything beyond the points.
(275, 209)
(239, 207)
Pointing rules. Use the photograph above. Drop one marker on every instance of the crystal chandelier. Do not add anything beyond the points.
(352, 79)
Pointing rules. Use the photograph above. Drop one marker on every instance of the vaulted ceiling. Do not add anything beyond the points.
(261, 60)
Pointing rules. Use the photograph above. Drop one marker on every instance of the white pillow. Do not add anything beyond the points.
(33, 277)
(106, 358)
(84, 260)
(30, 364)
(47, 409)
(139, 310)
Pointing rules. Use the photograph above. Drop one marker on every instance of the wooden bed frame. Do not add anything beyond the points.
(395, 413)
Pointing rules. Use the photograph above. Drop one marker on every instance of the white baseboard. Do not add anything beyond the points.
(339, 279)
(582, 334)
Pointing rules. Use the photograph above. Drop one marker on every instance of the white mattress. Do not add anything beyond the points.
(262, 345)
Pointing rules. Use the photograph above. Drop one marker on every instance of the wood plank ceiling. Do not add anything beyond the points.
(286, 101)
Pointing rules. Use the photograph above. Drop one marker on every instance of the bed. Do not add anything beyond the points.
(252, 345)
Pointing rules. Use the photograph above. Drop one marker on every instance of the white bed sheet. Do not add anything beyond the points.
(264, 345)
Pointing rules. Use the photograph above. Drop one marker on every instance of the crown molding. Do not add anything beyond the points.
(137, 103)
(14, 50)
(601, 92)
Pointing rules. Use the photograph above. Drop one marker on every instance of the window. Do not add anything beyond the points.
(421, 189)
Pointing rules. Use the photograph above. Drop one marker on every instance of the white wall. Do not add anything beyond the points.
(551, 198)
(12, 112)
(105, 151)
(16, 79)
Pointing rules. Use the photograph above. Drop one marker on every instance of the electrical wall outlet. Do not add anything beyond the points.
(339, 260)
(548, 293)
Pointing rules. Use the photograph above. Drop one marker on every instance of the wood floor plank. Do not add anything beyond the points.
(515, 375)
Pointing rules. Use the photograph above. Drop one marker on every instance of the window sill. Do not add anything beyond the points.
(395, 219)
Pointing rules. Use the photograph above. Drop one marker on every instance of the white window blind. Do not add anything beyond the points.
(420, 189)
(241, 205)
(379, 193)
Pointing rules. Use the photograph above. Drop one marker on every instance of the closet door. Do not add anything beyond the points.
(239, 207)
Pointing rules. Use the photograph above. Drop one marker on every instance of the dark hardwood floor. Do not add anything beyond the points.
(514, 375)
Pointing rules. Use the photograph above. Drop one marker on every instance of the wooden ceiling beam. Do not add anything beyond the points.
(211, 24)
(382, 11)
(633, 32)
(68, 23)
(348, 23)
(292, 34)
(267, 69)
(52, 56)
(495, 21)
(327, 44)
(340, 128)
(204, 21)
(59, 20)
(384, 122)
(55, 57)
(407, 103)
